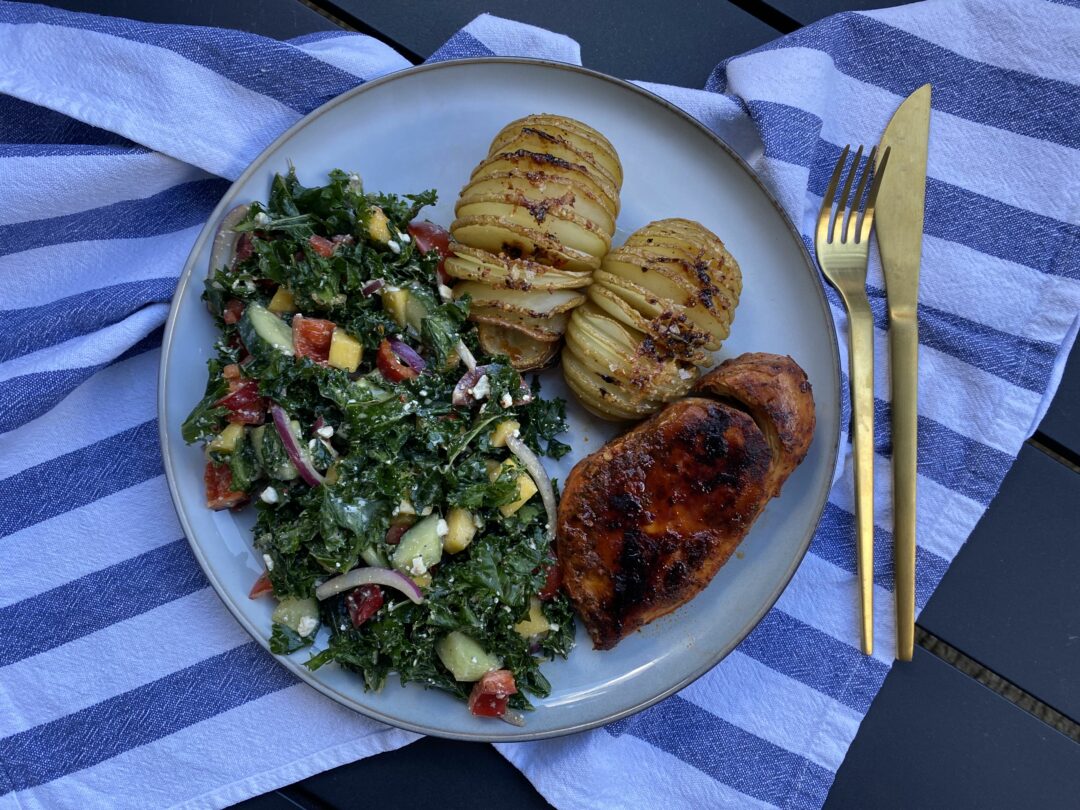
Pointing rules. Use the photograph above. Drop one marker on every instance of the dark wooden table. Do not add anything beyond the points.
(987, 714)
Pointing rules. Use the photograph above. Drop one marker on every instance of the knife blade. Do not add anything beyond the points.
(899, 223)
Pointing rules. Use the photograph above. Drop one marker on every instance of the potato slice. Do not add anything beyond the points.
(560, 146)
(600, 397)
(525, 353)
(514, 274)
(544, 330)
(581, 135)
(559, 222)
(534, 162)
(541, 186)
(492, 234)
(536, 303)
(674, 339)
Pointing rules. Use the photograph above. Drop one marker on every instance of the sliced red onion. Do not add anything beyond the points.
(370, 576)
(407, 355)
(539, 475)
(299, 458)
(372, 287)
(465, 355)
(461, 396)
(224, 246)
(514, 718)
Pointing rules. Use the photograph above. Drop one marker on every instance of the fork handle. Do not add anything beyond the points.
(861, 362)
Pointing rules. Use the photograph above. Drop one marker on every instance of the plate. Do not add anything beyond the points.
(427, 127)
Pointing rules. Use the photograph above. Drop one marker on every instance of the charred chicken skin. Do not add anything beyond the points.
(646, 522)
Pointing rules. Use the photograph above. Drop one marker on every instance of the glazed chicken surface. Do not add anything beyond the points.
(647, 521)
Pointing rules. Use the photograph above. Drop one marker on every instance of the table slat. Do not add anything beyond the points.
(1011, 599)
(936, 738)
(1062, 421)
(676, 43)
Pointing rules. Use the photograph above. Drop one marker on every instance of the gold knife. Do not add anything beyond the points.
(899, 223)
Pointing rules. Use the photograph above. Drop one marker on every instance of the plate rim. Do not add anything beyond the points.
(298, 669)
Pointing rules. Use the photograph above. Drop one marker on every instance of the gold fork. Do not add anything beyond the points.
(843, 251)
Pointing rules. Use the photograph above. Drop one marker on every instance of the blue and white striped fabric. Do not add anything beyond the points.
(125, 683)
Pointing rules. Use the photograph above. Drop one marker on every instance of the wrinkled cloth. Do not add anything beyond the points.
(124, 681)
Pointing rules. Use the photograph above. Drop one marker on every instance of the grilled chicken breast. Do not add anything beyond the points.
(774, 390)
(647, 521)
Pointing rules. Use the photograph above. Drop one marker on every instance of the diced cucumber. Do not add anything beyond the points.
(261, 329)
(374, 556)
(271, 454)
(299, 615)
(464, 657)
(417, 306)
(423, 540)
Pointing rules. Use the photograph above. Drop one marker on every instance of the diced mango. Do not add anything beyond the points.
(332, 473)
(282, 302)
(226, 441)
(535, 624)
(378, 227)
(502, 430)
(394, 301)
(422, 581)
(526, 486)
(461, 530)
(345, 351)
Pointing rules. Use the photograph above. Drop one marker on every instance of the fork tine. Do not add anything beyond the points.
(871, 201)
(825, 214)
(837, 223)
(850, 233)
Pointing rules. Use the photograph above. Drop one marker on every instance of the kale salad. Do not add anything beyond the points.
(400, 500)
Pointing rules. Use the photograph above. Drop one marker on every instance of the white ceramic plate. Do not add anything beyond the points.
(427, 127)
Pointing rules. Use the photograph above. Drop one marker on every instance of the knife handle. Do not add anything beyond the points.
(904, 349)
(861, 362)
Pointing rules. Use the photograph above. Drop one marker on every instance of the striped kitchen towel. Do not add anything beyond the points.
(124, 682)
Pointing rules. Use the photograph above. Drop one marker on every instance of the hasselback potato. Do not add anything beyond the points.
(532, 224)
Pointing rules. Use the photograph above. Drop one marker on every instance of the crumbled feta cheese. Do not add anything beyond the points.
(268, 561)
(473, 659)
(445, 293)
(326, 431)
(395, 248)
(441, 528)
(355, 185)
(684, 374)
(477, 521)
(311, 444)
(426, 511)
(269, 495)
(423, 392)
(262, 218)
(390, 288)
(418, 569)
(553, 627)
(405, 238)
(307, 626)
(506, 400)
(482, 387)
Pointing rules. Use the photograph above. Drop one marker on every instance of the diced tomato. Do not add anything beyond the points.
(219, 491)
(261, 587)
(390, 367)
(311, 337)
(363, 603)
(321, 245)
(244, 248)
(553, 584)
(243, 400)
(233, 310)
(489, 695)
(430, 236)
